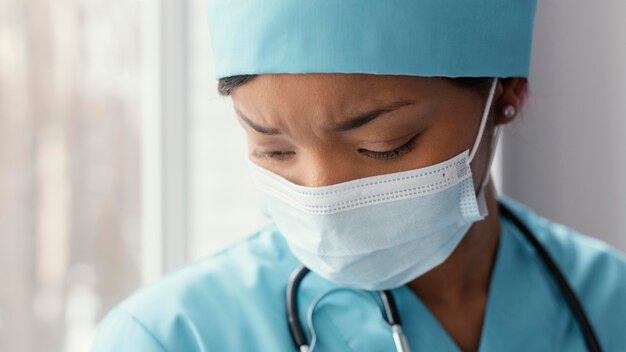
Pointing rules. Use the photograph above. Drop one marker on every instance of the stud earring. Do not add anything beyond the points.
(509, 111)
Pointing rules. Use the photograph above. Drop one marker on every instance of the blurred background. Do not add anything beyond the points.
(119, 162)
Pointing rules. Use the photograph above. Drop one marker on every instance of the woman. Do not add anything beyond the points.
(371, 130)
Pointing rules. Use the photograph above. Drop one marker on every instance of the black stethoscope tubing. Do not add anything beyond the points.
(297, 333)
(393, 317)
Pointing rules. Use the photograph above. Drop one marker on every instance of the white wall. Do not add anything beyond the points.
(223, 200)
(566, 156)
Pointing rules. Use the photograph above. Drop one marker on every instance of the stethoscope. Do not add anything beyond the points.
(390, 312)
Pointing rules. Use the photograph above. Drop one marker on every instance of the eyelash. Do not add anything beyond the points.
(275, 155)
(386, 155)
(392, 154)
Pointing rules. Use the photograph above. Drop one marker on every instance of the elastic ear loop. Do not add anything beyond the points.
(322, 295)
(483, 122)
(479, 136)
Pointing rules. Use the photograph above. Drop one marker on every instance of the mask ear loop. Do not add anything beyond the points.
(482, 206)
(483, 122)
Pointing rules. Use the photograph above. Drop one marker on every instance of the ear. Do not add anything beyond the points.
(513, 94)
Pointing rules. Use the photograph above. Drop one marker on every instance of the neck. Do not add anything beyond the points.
(468, 269)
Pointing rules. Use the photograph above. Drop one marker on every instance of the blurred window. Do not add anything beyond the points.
(118, 161)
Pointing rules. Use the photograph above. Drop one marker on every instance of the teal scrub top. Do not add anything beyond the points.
(235, 301)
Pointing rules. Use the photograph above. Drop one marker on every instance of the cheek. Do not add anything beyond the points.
(480, 164)
(442, 141)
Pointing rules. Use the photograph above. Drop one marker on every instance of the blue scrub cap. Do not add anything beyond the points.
(450, 38)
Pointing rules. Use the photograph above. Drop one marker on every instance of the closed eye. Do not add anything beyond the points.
(391, 154)
(274, 155)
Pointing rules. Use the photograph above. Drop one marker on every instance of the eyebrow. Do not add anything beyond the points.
(260, 129)
(350, 124)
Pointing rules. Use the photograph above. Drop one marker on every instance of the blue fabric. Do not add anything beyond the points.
(234, 301)
(452, 38)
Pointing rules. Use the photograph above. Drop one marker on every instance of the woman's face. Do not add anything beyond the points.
(323, 129)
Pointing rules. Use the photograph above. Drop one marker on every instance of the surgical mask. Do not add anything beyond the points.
(378, 232)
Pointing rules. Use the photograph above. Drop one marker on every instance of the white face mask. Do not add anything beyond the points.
(378, 232)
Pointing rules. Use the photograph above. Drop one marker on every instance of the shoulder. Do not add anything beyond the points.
(595, 270)
(186, 308)
(582, 257)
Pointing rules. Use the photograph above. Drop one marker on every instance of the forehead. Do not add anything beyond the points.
(328, 94)
(326, 85)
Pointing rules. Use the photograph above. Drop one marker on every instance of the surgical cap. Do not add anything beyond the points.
(450, 38)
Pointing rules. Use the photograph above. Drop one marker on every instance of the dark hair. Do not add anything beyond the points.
(480, 85)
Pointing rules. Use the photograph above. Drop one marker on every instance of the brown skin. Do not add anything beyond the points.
(446, 117)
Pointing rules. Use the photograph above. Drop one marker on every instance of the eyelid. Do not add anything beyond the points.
(405, 138)
(393, 153)
(272, 155)
(406, 147)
